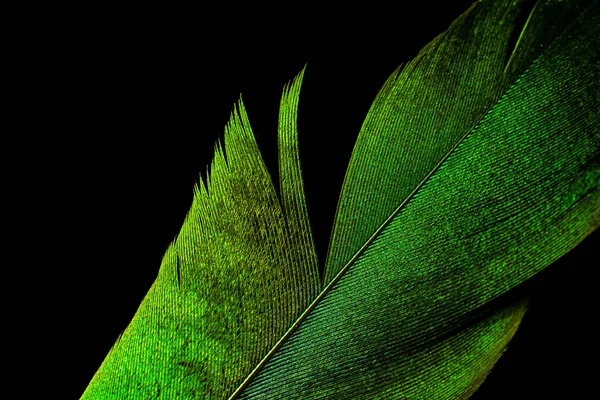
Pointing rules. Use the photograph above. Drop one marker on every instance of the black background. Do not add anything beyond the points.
(133, 102)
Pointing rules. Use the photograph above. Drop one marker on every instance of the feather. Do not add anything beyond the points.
(477, 166)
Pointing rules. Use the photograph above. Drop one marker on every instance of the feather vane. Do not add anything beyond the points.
(477, 166)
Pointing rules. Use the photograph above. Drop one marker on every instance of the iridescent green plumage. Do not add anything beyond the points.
(211, 316)
(477, 166)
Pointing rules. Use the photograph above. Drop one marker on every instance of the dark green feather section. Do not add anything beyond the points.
(428, 105)
(515, 193)
(241, 271)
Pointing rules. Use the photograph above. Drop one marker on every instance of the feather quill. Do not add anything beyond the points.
(473, 171)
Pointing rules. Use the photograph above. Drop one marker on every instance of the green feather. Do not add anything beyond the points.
(477, 166)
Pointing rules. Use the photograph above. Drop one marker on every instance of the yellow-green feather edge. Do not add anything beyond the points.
(239, 274)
